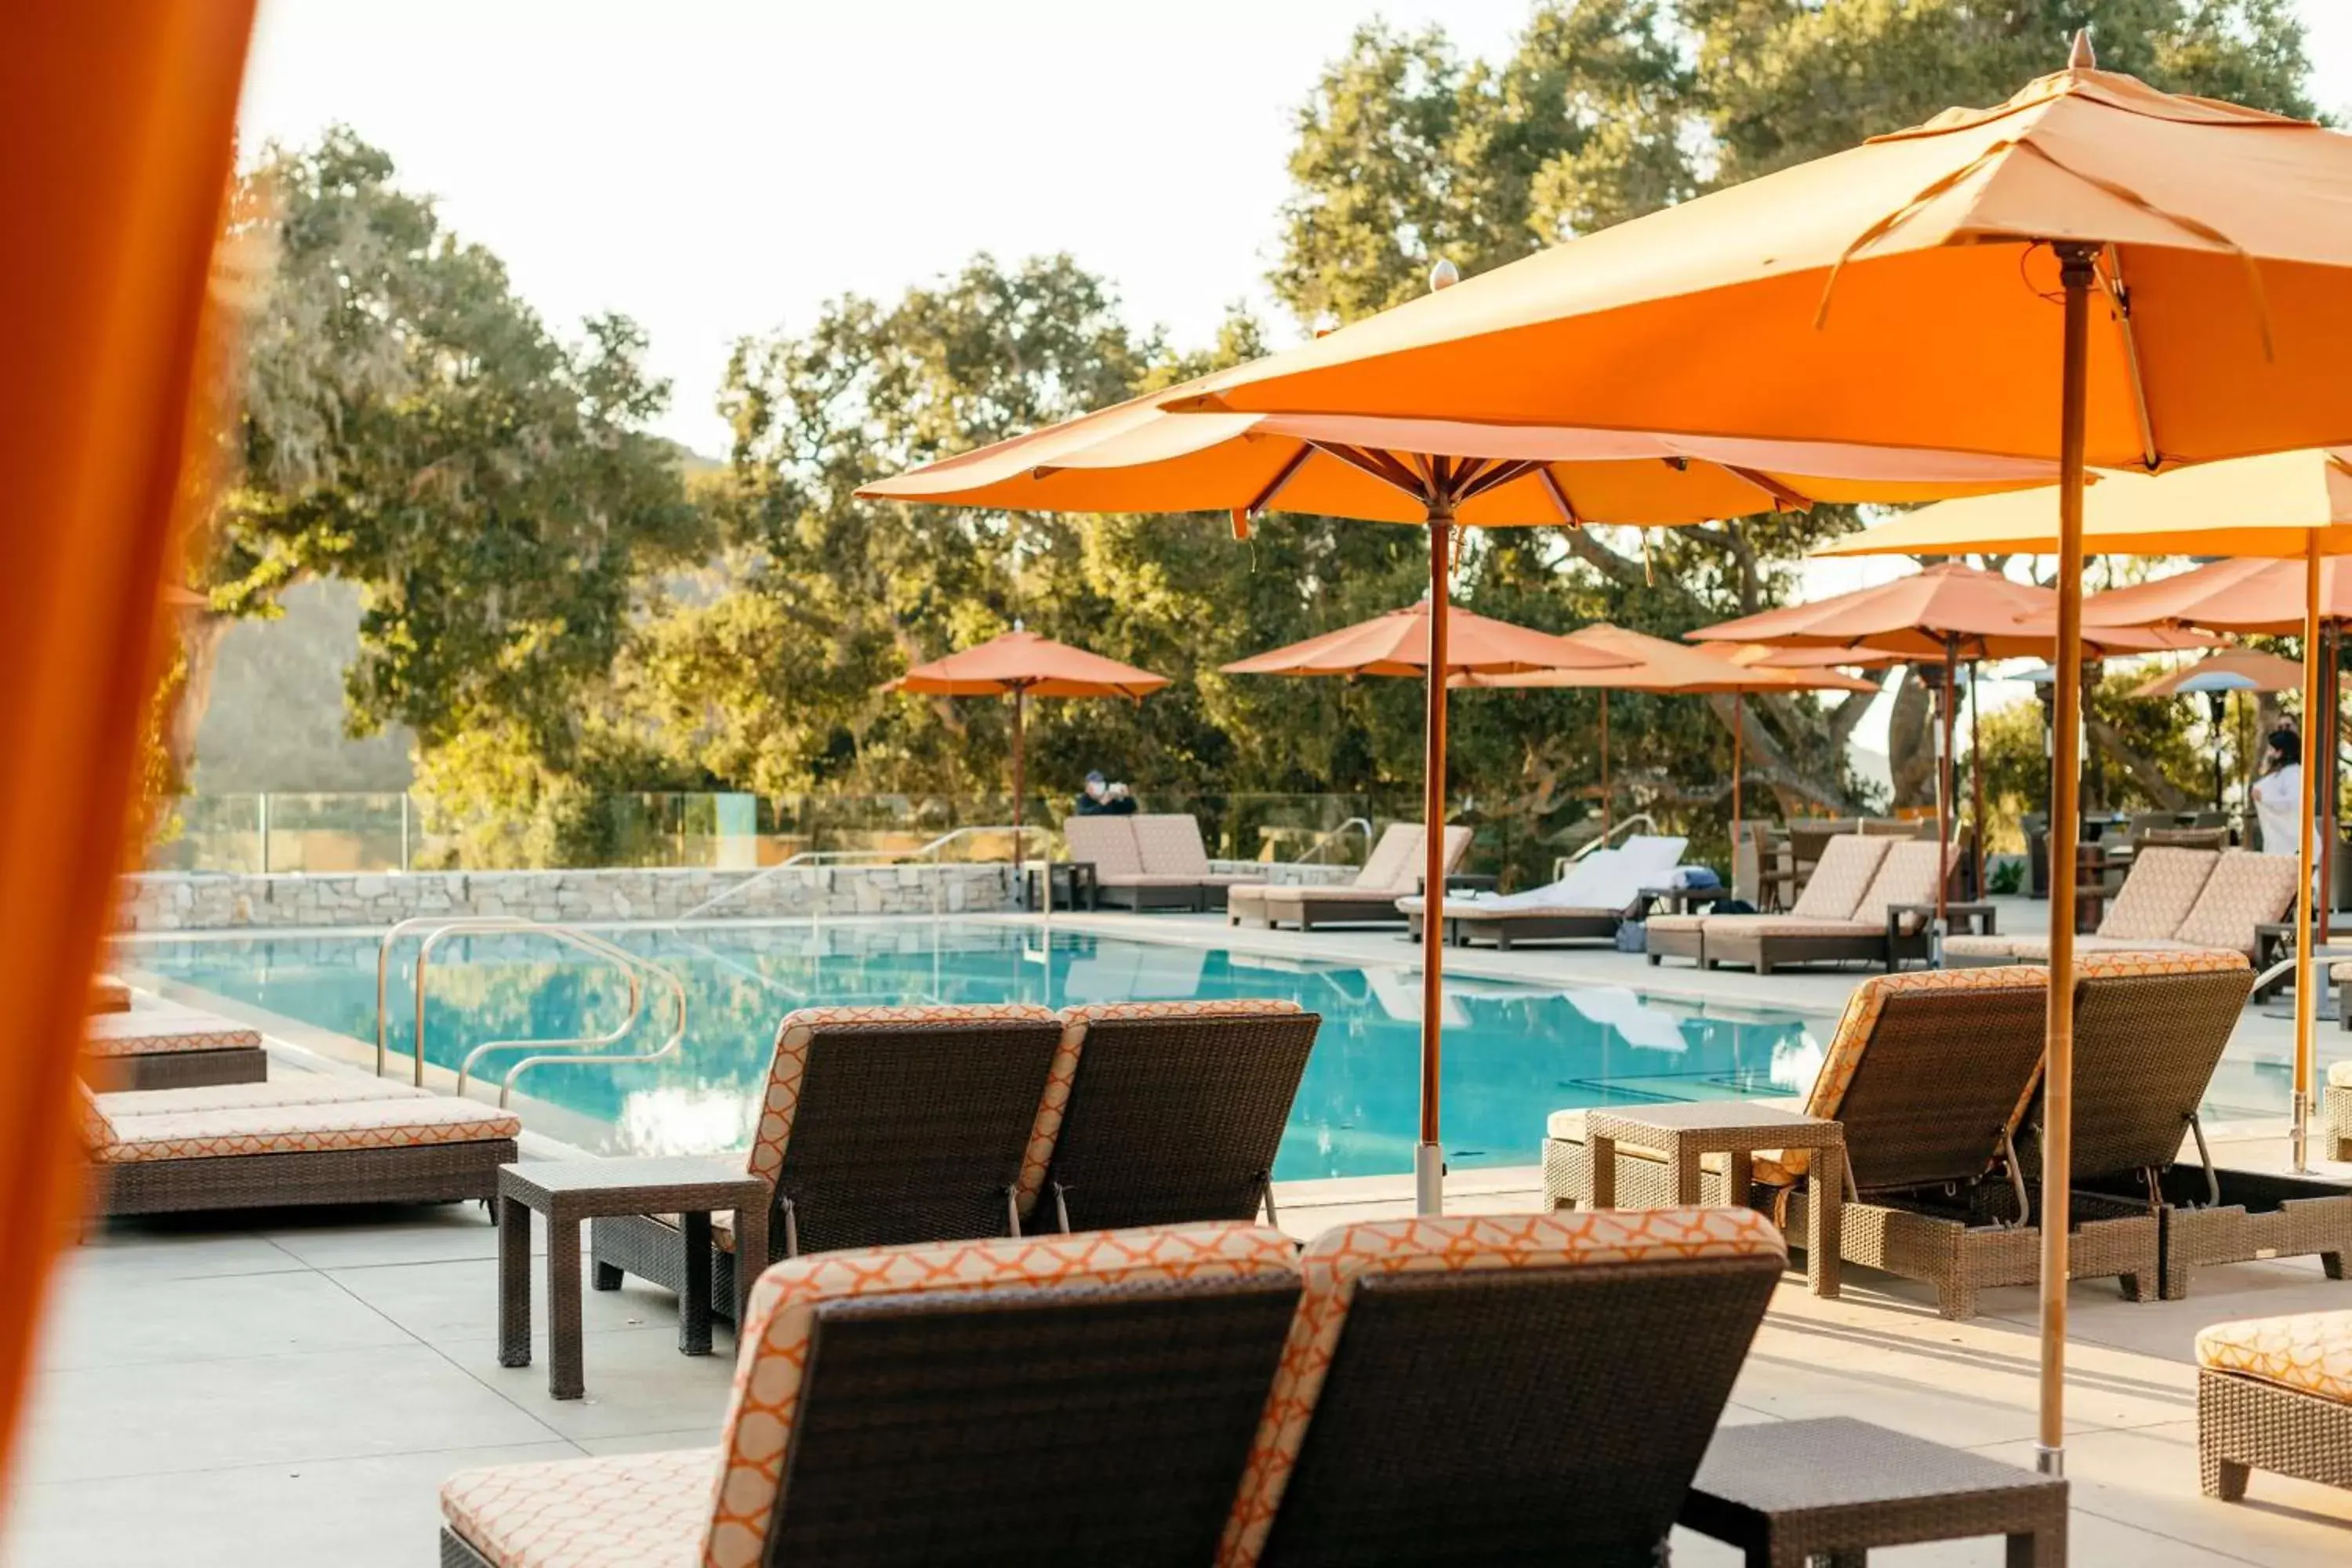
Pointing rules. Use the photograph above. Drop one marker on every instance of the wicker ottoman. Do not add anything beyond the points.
(2274, 1394)
(2338, 1106)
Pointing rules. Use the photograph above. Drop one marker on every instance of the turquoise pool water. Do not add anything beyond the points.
(1513, 1052)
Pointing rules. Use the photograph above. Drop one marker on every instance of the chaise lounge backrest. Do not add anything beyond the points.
(1395, 860)
(2158, 893)
(1171, 845)
(884, 1125)
(2244, 890)
(1529, 1388)
(1848, 864)
(1907, 874)
(1163, 1112)
(1107, 841)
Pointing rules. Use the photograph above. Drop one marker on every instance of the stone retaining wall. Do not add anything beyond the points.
(171, 900)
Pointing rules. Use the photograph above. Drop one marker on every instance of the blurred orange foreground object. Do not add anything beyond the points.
(115, 150)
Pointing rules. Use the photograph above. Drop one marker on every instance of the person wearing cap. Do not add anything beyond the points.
(1103, 798)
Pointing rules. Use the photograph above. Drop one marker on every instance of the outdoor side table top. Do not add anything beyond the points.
(569, 1191)
(1784, 1491)
(1686, 1129)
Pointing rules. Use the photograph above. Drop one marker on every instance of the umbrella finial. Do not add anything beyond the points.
(1444, 275)
(2082, 56)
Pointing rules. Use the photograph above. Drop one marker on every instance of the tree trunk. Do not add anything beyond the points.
(1910, 744)
(2167, 796)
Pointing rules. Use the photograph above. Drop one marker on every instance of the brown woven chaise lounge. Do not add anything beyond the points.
(1885, 926)
(1393, 870)
(184, 1149)
(1840, 882)
(2274, 1394)
(167, 1046)
(2172, 899)
(1929, 1073)
(1065, 1399)
(2149, 1030)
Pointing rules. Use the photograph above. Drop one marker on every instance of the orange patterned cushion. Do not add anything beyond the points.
(296, 1088)
(1334, 1260)
(790, 1063)
(2123, 966)
(1848, 864)
(92, 1126)
(1171, 845)
(304, 1129)
(2310, 1352)
(108, 995)
(2158, 893)
(1854, 1030)
(2246, 890)
(1064, 1073)
(152, 1031)
(776, 1331)
(625, 1511)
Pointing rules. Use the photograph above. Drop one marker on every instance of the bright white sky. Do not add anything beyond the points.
(719, 167)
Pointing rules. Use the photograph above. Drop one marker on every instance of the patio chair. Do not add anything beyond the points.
(1394, 871)
(2337, 1108)
(1122, 880)
(1171, 845)
(2149, 1030)
(1164, 1113)
(1929, 1072)
(169, 1047)
(378, 1149)
(2175, 900)
(1062, 1400)
(2274, 1394)
(1510, 1389)
(1598, 894)
(1848, 864)
(879, 1126)
(1885, 926)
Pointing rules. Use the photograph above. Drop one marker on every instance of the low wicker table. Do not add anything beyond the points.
(1788, 1491)
(567, 1192)
(1683, 1130)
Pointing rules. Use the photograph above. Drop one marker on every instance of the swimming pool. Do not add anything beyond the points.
(1513, 1052)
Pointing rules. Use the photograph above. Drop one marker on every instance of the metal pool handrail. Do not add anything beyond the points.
(668, 1047)
(1323, 841)
(435, 927)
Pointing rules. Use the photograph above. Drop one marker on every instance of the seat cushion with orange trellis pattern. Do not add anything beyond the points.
(799, 1030)
(150, 1031)
(2310, 1352)
(324, 1129)
(295, 1089)
(1334, 1261)
(2246, 890)
(2129, 962)
(1842, 1059)
(108, 995)
(1064, 1073)
(622, 1510)
(92, 1129)
(769, 1371)
(2159, 890)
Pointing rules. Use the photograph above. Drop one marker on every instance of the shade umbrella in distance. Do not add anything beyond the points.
(1441, 472)
(1935, 286)
(1021, 664)
(1656, 665)
(2216, 676)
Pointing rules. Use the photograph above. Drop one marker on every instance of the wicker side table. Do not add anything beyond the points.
(1788, 1491)
(567, 1192)
(1685, 1131)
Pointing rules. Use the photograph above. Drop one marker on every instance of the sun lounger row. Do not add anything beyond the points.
(1530, 1388)
(1860, 904)
(1936, 1078)
(1395, 870)
(2173, 899)
(163, 1045)
(1598, 894)
(1151, 862)
(890, 1125)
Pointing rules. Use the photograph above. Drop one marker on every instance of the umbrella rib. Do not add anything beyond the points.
(1501, 474)
(1558, 496)
(1382, 466)
(2111, 278)
(1784, 498)
(1282, 475)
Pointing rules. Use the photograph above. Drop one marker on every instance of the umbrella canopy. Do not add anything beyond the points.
(2230, 670)
(1398, 644)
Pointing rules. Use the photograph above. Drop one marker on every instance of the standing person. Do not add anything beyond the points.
(1103, 798)
(2278, 793)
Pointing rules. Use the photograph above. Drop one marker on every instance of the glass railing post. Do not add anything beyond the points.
(261, 824)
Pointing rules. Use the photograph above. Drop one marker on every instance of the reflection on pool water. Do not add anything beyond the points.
(1513, 1052)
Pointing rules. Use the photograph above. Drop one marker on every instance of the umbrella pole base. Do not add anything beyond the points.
(2049, 1461)
(1428, 1180)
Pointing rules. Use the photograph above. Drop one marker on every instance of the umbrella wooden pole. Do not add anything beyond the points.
(1605, 824)
(1428, 1161)
(2331, 697)
(1020, 881)
(1738, 718)
(2306, 1009)
(1947, 790)
(2065, 782)
(1975, 786)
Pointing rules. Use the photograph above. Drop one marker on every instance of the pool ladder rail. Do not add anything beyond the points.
(637, 972)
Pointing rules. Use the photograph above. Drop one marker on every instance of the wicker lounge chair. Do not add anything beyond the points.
(1849, 864)
(2337, 1106)
(1123, 879)
(2174, 900)
(1929, 1073)
(1170, 846)
(1501, 1390)
(1394, 871)
(1164, 1113)
(2274, 1394)
(168, 1046)
(1600, 893)
(108, 995)
(1883, 928)
(1062, 1400)
(2149, 1029)
(879, 1126)
(377, 1149)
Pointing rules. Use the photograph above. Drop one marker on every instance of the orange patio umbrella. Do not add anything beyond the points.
(1021, 664)
(1397, 643)
(2219, 674)
(1136, 456)
(1656, 665)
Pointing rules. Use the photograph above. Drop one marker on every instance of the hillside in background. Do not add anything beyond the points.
(276, 719)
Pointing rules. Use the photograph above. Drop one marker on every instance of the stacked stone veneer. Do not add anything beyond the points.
(162, 900)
